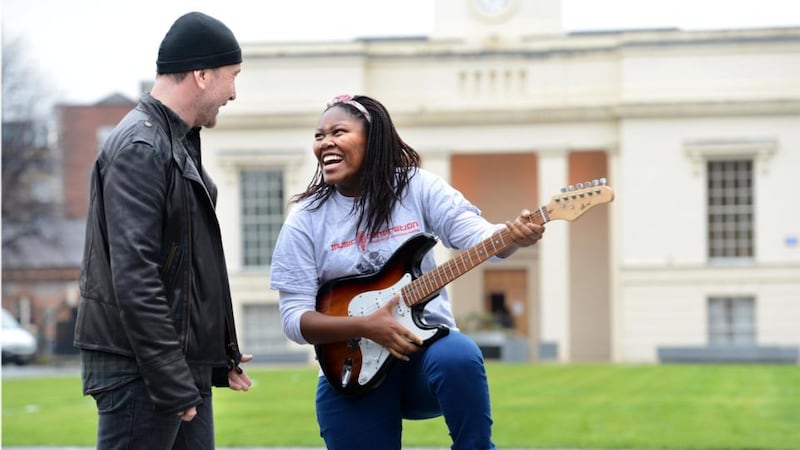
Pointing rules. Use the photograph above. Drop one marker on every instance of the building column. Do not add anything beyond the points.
(437, 160)
(617, 332)
(554, 292)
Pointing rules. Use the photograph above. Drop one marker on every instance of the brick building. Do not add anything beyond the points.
(40, 273)
(81, 129)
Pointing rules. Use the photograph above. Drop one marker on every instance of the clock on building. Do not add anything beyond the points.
(493, 9)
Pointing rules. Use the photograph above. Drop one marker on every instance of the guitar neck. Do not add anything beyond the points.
(432, 282)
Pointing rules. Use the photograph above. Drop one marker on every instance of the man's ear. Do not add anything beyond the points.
(200, 77)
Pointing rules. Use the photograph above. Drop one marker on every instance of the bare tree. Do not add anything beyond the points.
(28, 195)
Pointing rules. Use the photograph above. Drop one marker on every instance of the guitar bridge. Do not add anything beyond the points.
(347, 371)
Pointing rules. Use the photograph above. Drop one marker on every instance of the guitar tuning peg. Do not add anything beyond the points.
(571, 187)
(563, 190)
(587, 184)
(603, 181)
(580, 185)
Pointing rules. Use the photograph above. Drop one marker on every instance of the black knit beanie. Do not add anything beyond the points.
(197, 41)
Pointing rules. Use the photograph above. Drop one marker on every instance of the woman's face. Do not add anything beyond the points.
(339, 145)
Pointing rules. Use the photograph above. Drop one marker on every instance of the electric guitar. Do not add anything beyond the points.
(359, 365)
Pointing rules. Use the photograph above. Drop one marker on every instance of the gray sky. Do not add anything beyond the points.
(88, 49)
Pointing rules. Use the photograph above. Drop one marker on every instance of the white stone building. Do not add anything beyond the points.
(697, 132)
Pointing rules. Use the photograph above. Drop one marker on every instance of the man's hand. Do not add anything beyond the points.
(189, 414)
(237, 379)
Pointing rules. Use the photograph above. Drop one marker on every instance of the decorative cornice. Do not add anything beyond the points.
(519, 116)
(717, 277)
(700, 150)
(705, 108)
(529, 47)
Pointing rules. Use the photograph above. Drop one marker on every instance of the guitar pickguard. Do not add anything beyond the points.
(373, 355)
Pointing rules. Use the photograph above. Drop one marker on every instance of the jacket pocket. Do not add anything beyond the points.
(170, 263)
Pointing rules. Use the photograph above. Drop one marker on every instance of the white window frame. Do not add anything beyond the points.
(760, 150)
(732, 321)
(731, 238)
(232, 162)
(261, 328)
(256, 243)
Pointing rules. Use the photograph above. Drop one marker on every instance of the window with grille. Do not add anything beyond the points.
(262, 214)
(261, 329)
(730, 209)
(731, 321)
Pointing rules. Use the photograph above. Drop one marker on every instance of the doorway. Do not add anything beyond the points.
(506, 299)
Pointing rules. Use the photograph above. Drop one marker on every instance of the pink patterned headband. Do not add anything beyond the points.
(348, 99)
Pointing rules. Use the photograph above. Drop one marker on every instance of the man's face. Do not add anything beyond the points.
(221, 89)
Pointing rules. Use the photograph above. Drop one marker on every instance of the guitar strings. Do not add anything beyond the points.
(433, 281)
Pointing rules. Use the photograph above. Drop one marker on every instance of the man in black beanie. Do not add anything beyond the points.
(155, 322)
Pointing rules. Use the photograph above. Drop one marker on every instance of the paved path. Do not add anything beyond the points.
(250, 448)
(229, 448)
(218, 448)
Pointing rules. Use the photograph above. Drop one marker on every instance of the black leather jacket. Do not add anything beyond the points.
(154, 285)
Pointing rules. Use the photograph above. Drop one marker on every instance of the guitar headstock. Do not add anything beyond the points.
(575, 200)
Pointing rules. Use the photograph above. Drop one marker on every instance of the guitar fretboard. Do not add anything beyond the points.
(430, 283)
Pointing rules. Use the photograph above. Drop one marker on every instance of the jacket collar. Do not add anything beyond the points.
(178, 132)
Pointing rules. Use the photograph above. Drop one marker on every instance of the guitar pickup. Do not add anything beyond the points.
(347, 371)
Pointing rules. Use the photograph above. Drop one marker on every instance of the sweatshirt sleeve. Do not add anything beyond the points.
(292, 307)
(294, 275)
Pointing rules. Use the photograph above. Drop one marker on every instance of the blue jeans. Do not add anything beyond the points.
(128, 421)
(447, 378)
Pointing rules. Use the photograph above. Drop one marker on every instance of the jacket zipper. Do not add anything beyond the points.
(190, 264)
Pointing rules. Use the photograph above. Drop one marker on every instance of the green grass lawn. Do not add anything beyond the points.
(552, 406)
